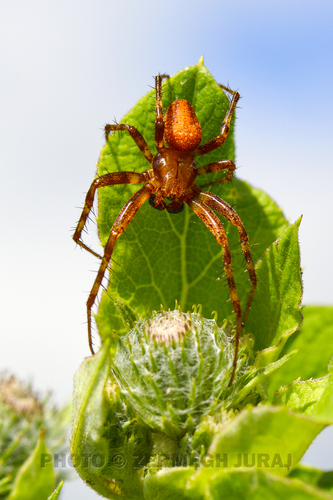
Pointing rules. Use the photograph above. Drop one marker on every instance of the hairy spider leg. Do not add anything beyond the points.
(104, 180)
(159, 118)
(216, 142)
(227, 89)
(107, 180)
(224, 132)
(213, 223)
(136, 136)
(120, 224)
(223, 208)
(216, 166)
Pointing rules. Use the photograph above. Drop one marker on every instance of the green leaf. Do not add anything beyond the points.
(272, 438)
(315, 477)
(314, 342)
(108, 448)
(234, 484)
(23, 413)
(254, 484)
(256, 376)
(35, 479)
(167, 484)
(313, 397)
(5, 486)
(56, 493)
(164, 257)
(276, 310)
(89, 415)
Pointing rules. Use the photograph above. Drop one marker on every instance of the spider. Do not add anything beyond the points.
(171, 176)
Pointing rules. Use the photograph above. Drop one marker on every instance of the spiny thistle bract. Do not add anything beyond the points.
(174, 369)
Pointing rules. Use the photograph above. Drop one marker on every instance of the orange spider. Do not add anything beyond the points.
(171, 176)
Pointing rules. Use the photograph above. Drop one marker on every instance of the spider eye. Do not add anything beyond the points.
(182, 129)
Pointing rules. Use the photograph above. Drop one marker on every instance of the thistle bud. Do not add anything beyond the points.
(173, 369)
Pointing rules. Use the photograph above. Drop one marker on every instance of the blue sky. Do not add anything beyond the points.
(68, 67)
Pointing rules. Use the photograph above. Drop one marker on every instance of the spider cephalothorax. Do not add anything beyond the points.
(168, 184)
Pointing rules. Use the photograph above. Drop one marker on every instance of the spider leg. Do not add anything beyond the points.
(223, 208)
(227, 89)
(104, 180)
(219, 140)
(215, 226)
(159, 122)
(136, 136)
(216, 166)
(120, 224)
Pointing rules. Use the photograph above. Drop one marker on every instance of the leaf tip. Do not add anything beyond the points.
(299, 220)
(201, 62)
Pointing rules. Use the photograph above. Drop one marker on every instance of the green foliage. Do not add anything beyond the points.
(313, 476)
(56, 493)
(314, 342)
(104, 442)
(235, 484)
(313, 397)
(118, 420)
(276, 311)
(33, 480)
(284, 436)
(154, 416)
(23, 418)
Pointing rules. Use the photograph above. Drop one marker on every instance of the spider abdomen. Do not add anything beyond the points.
(182, 130)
